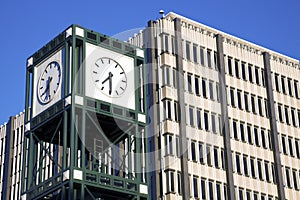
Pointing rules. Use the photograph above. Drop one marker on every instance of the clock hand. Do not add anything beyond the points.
(110, 82)
(47, 86)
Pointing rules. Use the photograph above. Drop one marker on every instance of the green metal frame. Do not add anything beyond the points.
(58, 134)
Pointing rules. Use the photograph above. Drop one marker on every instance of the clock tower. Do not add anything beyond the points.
(85, 119)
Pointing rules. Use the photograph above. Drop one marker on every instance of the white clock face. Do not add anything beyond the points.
(109, 77)
(49, 82)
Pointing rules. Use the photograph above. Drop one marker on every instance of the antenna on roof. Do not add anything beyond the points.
(162, 12)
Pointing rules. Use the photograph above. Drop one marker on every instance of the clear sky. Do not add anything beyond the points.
(25, 26)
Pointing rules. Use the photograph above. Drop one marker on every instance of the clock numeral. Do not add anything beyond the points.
(123, 81)
(95, 72)
(116, 66)
(122, 88)
(117, 92)
(122, 73)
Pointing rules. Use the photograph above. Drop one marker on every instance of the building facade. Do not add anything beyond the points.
(225, 113)
(11, 148)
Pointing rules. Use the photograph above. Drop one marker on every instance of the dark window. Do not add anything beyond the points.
(170, 181)
(246, 102)
(290, 146)
(263, 138)
(286, 112)
(239, 99)
(288, 180)
(236, 65)
(297, 148)
(256, 75)
(241, 194)
(166, 75)
(267, 171)
(169, 144)
(173, 44)
(206, 121)
(191, 114)
(188, 51)
(256, 138)
(296, 89)
(203, 189)
(242, 132)
(250, 73)
(260, 110)
(249, 134)
(283, 84)
(208, 155)
(195, 184)
(283, 145)
(167, 108)
(198, 113)
(234, 128)
(238, 164)
(243, 71)
(176, 111)
(252, 167)
(266, 108)
(211, 90)
(232, 97)
(253, 104)
(229, 66)
(202, 56)
(213, 123)
(193, 151)
(218, 91)
(259, 168)
(273, 173)
(295, 179)
(289, 83)
(248, 195)
(216, 60)
(195, 53)
(218, 190)
(201, 153)
(245, 163)
(189, 82)
(293, 116)
(263, 77)
(197, 89)
(179, 183)
(280, 113)
(166, 43)
(270, 139)
(216, 157)
(175, 78)
(222, 159)
(204, 88)
(255, 196)
(209, 58)
(276, 77)
(211, 192)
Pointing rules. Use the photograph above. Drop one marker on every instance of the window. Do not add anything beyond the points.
(213, 123)
(298, 111)
(216, 60)
(236, 66)
(204, 88)
(208, 155)
(166, 75)
(296, 89)
(176, 111)
(280, 113)
(290, 146)
(270, 139)
(283, 144)
(266, 108)
(218, 190)
(288, 180)
(206, 121)
(294, 173)
(195, 53)
(245, 163)
(173, 44)
(195, 186)
(289, 84)
(198, 115)
(283, 84)
(256, 71)
(189, 83)
(250, 73)
(222, 159)
(209, 58)
(191, 116)
(255, 196)
(232, 97)
(239, 99)
(260, 110)
(193, 151)
(253, 104)
(179, 183)
(246, 101)
(286, 112)
(202, 56)
(218, 92)
(169, 144)
(167, 108)
(267, 172)
(188, 51)
(248, 195)
(197, 89)
(177, 147)
(252, 167)
(242, 132)
(249, 133)
(234, 128)
(241, 194)
(256, 138)
(263, 77)
(211, 90)
(263, 138)
(229, 65)
(259, 168)
(211, 190)
(297, 148)
(203, 189)
(243, 71)
(170, 181)
(293, 116)
(276, 77)
(165, 43)
(201, 158)
(175, 78)
(216, 157)
(238, 164)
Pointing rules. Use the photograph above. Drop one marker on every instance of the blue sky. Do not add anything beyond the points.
(27, 25)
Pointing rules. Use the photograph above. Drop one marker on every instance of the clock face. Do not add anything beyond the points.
(109, 77)
(49, 82)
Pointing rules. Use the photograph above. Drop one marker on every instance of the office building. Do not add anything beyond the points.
(225, 113)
